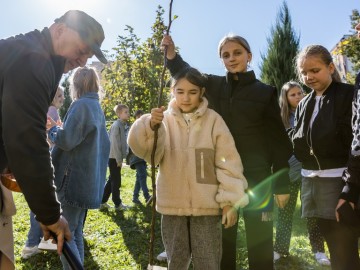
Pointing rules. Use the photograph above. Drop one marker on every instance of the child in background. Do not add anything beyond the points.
(322, 138)
(200, 183)
(80, 156)
(56, 104)
(118, 152)
(141, 174)
(290, 96)
(35, 233)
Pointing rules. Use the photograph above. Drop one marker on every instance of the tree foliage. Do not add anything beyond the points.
(350, 46)
(277, 65)
(133, 77)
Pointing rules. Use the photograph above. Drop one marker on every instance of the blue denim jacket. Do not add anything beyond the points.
(81, 153)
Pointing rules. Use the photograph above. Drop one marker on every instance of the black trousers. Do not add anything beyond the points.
(113, 185)
(259, 242)
(342, 243)
(258, 225)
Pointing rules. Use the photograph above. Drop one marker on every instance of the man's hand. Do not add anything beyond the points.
(61, 229)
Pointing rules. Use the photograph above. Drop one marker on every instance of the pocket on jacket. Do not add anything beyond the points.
(60, 185)
(205, 166)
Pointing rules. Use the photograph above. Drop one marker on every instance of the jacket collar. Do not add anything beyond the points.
(328, 90)
(59, 61)
(47, 41)
(244, 78)
(90, 95)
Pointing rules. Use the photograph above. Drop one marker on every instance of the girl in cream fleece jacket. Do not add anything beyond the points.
(200, 173)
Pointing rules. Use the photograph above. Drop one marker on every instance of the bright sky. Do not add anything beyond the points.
(200, 24)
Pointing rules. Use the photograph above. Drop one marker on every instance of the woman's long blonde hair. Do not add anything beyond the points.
(84, 80)
(284, 103)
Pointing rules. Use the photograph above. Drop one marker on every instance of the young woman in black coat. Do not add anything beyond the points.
(251, 111)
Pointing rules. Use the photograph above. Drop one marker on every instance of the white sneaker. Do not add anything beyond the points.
(47, 245)
(149, 200)
(276, 256)
(122, 207)
(27, 252)
(322, 259)
(162, 256)
(104, 206)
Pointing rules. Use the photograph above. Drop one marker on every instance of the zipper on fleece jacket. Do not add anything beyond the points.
(187, 122)
(188, 137)
(202, 172)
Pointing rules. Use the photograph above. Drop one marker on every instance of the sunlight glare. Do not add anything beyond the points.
(89, 6)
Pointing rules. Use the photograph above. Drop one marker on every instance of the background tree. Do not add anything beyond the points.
(133, 77)
(277, 64)
(350, 47)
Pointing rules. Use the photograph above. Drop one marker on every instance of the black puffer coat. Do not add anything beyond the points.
(251, 111)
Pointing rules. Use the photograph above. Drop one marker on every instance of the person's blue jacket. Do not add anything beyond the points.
(132, 159)
(81, 153)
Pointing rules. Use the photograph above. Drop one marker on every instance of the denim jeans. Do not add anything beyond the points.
(75, 217)
(140, 182)
(35, 232)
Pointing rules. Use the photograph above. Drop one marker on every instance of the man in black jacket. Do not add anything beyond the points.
(31, 67)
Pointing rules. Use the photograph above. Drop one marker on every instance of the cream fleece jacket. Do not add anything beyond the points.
(200, 170)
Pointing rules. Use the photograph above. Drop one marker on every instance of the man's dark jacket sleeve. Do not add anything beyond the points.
(27, 92)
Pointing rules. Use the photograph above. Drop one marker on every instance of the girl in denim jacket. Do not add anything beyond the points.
(80, 156)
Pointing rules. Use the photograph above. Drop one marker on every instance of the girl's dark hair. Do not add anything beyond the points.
(316, 51)
(192, 75)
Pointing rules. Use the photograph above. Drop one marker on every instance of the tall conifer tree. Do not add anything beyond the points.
(278, 63)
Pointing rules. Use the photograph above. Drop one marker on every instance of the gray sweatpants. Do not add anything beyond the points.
(192, 237)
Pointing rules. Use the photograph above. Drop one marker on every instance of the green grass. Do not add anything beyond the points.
(120, 239)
